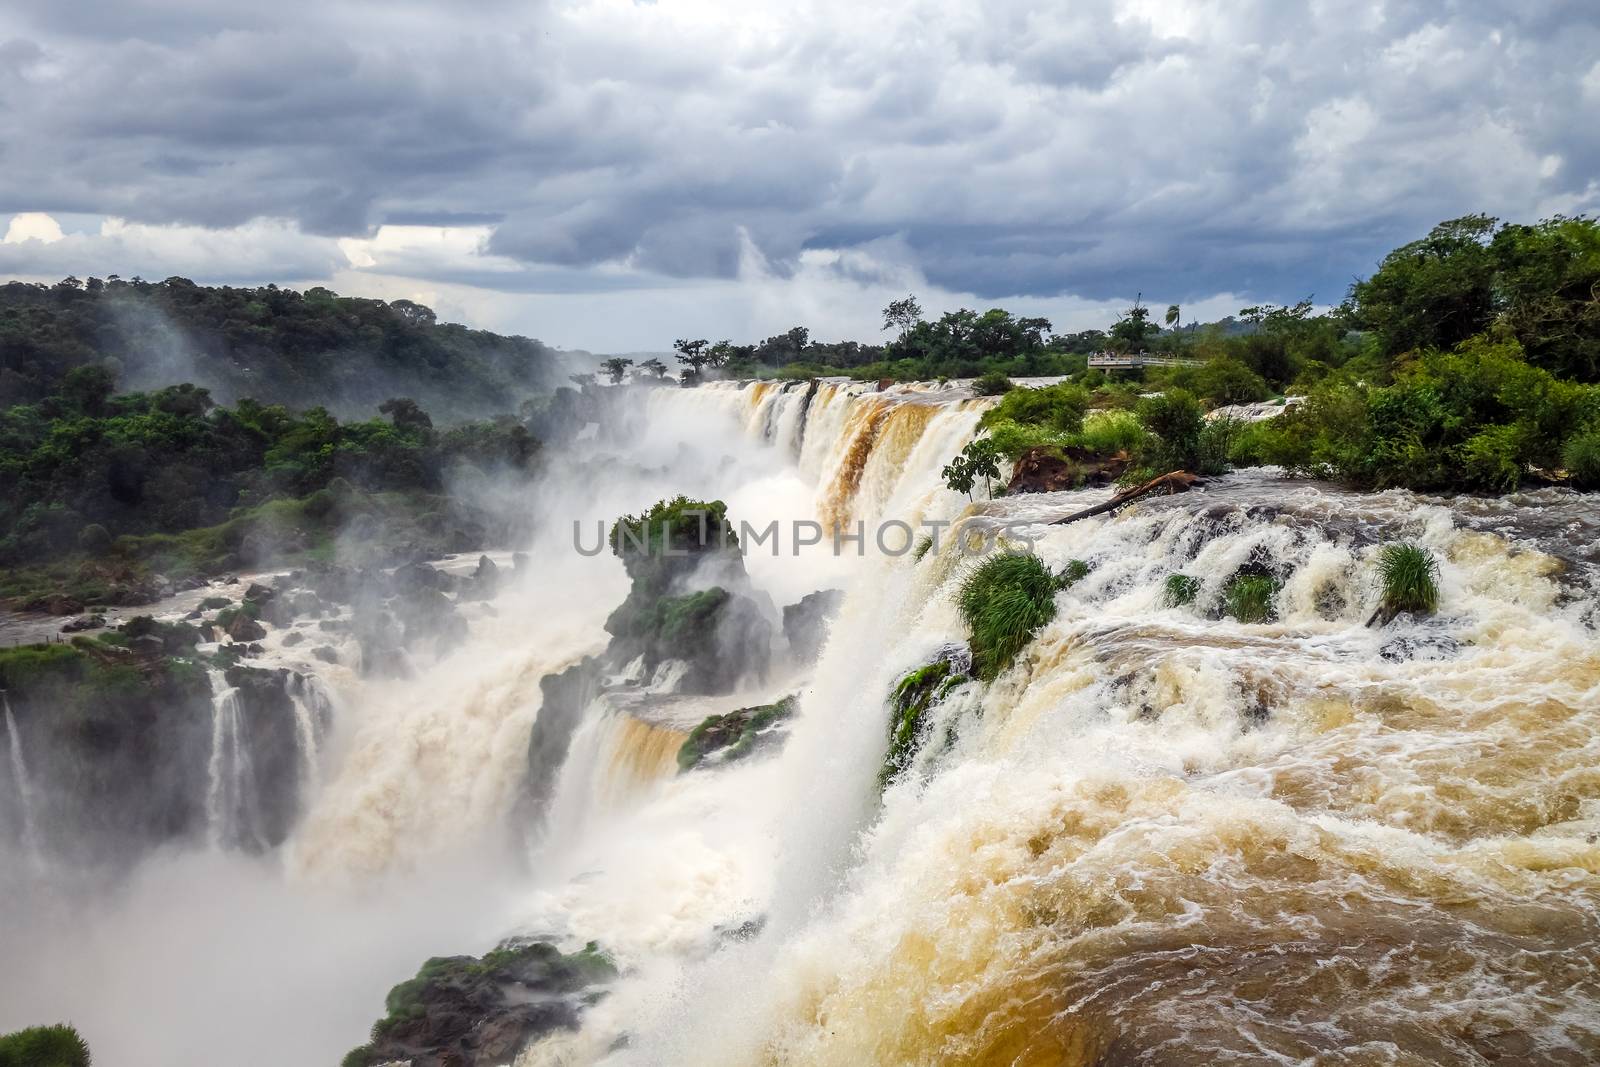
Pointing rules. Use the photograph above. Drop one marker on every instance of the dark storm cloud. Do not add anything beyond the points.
(1092, 148)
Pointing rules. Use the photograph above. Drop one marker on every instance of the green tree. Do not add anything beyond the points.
(902, 315)
(980, 459)
(616, 368)
(1431, 293)
(1134, 328)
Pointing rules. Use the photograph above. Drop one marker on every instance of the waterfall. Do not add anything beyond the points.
(231, 816)
(25, 799)
(1160, 828)
(313, 710)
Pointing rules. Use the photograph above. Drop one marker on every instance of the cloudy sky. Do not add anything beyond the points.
(611, 174)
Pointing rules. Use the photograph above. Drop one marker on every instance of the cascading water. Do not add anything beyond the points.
(1161, 836)
(27, 816)
(313, 710)
(231, 817)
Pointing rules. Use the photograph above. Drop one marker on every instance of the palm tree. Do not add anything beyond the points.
(1173, 316)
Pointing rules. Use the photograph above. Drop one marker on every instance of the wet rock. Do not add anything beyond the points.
(805, 622)
(1052, 470)
(325, 653)
(303, 602)
(147, 646)
(462, 1011)
(271, 736)
(1423, 645)
(241, 627)
(55, 604)
(258, 593)
(419, 577)
(735, 735)
(82, 623)
(277, 611)
(484, 583)
(293, 638)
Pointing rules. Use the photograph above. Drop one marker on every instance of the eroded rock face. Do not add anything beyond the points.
(1053, 470)
(115, 743)
(271, 736)
(466, 1011)
(805, 622)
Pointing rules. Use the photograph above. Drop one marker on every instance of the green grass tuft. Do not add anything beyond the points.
(1180, 590)
(1248, 597)
(1410, 580)
(1004, 602)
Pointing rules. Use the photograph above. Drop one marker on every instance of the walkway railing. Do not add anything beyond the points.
(1139, 359)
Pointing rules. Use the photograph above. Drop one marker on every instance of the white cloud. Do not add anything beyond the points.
(32, 226)
(619, 155)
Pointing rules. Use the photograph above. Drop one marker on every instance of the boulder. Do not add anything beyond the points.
(462, 1011)
(805, 622)
(82, 623)
(241, 627)
(419, 577)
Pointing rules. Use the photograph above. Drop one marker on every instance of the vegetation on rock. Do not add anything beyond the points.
(466, 1011)
(913, 697)
(1180, 590)
(1249, 597)
(734, 735)
(1005, 601)
(1410, 578)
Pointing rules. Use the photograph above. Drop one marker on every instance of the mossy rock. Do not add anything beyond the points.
(734, 735)
(916, 694)
(479, 1011)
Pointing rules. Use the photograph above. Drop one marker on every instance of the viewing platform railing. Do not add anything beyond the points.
(1138, 359)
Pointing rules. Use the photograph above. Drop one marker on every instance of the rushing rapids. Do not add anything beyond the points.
(1160, 836)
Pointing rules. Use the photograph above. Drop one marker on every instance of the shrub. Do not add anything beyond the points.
(1004, 602)
(680, 523)
(1581, 457)
(1410, 580)
(1180, 590)
(1216, 445)
(1106, 433)
(1248, 597)
(1491, 459)
(992, 384)
(1011, 439)
(44, 1046)
(1176, 420)
(1054, 407)
(95, 539)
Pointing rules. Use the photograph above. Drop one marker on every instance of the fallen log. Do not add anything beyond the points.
(1171, 482)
